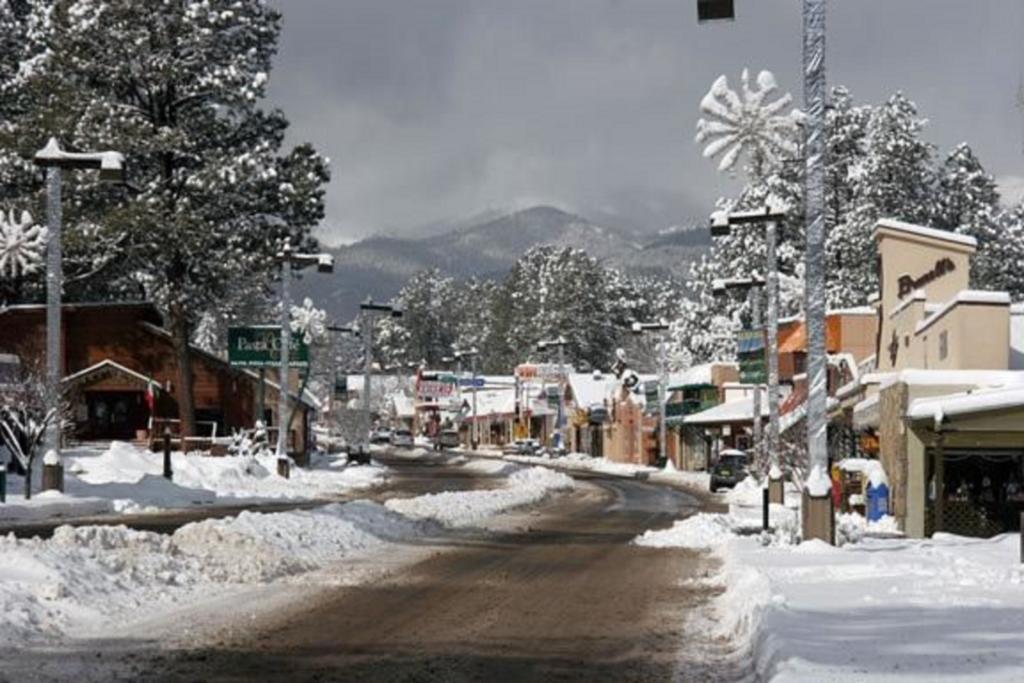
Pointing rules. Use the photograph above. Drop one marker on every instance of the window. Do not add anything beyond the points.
(943, 344)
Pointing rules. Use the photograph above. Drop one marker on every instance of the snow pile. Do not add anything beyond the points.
(463, 508)
(884, 608)
(124, 478)
(84, 576)
(701, 531)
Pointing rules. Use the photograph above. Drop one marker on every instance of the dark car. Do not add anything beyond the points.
(729, 470)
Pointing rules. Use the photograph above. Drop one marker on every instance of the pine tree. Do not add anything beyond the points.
(175, 87)
(894, 180)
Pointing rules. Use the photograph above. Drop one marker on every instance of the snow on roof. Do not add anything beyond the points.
(491, 402)
(1017, 308)
(965, 403)
(404, 406)
(740, 410)
(107, 363)
(966, 296)
(916, 295)
(696, 375)
(922, 231)
(966, 378)
(866, 412)
(854, 310)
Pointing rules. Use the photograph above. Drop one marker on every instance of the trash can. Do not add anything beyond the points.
(878, 501)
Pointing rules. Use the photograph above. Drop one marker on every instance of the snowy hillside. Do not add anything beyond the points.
(379, 266)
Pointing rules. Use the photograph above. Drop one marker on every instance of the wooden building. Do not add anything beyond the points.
(120, 375)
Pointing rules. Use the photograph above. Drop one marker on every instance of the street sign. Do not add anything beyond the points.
(259, 346)
(750, 349)
(476, 382)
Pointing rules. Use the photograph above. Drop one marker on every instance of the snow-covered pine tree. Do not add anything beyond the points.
(968, 202)
(176, 88)
(893, 180)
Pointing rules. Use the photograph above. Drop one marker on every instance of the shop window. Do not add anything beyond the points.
(943, 344)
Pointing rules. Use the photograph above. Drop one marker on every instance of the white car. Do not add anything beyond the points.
(402, 438)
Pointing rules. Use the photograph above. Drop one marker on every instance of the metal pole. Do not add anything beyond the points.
(561, 394)
(367, 331)
(263, 396)
(474, 430)
(54, 283)
(759, 459)
(286, 336)
(662, 389)
(772, 284)
(814, 150)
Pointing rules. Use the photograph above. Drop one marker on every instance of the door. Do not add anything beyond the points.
(115, 414)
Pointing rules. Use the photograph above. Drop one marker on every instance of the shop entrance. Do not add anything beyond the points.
(114, 414)
(982, 492)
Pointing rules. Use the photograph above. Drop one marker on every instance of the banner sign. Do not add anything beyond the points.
(750, 349)
(259, 346)
(545, 372)
(476, 382)
(435, 387)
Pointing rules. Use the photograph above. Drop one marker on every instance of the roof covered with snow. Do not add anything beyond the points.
(740, 410)
(941, 408)
(930, 233)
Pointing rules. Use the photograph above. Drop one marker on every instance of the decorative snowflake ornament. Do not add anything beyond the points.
(746, 123)
(309, 321)
(22, 245)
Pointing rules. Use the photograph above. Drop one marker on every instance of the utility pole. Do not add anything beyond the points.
(54, 160)
(770, 217)
(472, 353)
(369, 311)
(753, 288)
(560, 343)
(661, 328)
(818, 518)
(290, 259)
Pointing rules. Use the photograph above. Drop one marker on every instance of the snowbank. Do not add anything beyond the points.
(86, 579)
(881, 608)
(124, 478)
(463, 508)
(84, 576)
(588, 463)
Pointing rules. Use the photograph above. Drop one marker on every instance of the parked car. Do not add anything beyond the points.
(448, 438)
(402, 438)
(729, 470)
(380, 435)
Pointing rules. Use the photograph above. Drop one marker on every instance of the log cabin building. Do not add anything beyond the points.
(120, 375)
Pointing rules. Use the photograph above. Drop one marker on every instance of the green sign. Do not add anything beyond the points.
(750, 353)
(259, 346)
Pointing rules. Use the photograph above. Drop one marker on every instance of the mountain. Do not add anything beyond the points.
(488, 247)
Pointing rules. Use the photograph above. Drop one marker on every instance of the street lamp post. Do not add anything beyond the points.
(753, 288)
(770, 217)
(54, 160)
(818, 522)
(559, 343)
(340, 330)
(661, 328)
(369, 311)
(290, 259)
(472, 353)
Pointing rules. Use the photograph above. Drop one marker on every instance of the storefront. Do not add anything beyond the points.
(943, 409)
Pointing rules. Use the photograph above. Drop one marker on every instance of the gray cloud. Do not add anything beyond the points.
(434, 109)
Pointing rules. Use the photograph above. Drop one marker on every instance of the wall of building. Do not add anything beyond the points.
(974, 336)
(906, 254)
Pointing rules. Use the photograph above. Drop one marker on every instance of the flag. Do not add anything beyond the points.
(150, 398)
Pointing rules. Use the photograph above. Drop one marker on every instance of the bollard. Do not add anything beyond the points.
(764, 508)
(3, 482)
(53, 472)
(284, 467)
(168, 472)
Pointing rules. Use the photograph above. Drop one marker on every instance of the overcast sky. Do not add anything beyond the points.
(438, 109)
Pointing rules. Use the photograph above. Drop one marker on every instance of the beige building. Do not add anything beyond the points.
(941, 406)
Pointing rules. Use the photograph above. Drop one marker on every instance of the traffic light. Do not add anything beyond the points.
(713, 10)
